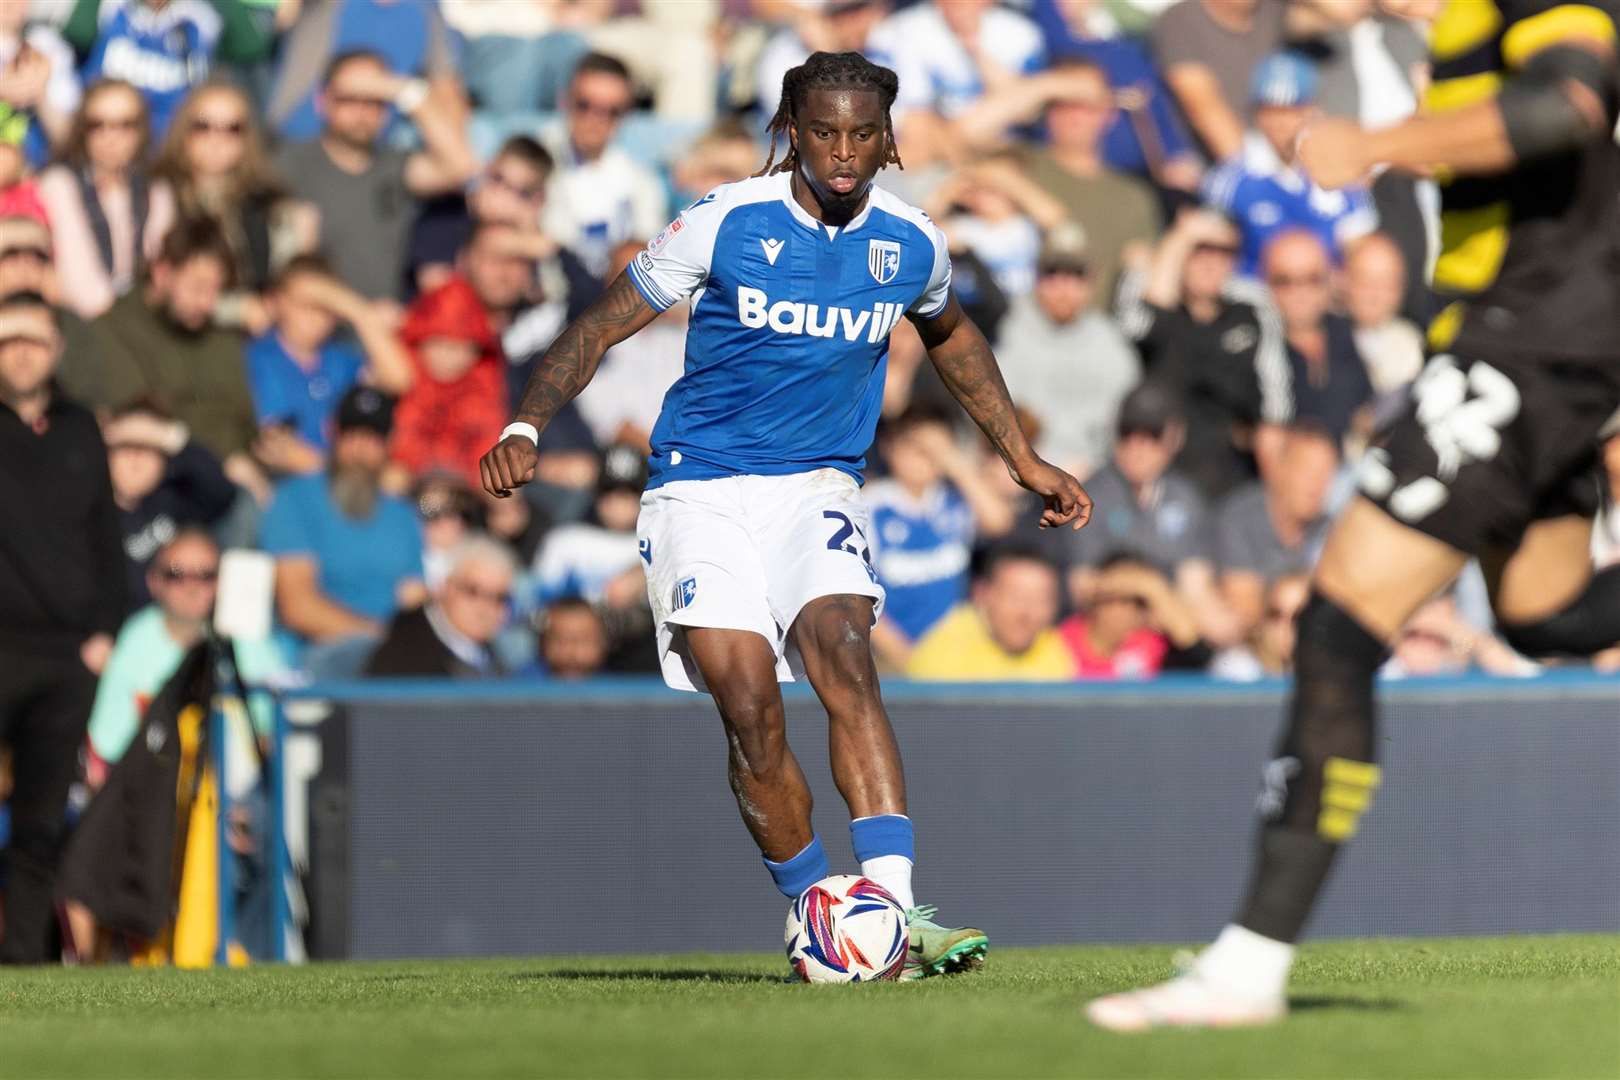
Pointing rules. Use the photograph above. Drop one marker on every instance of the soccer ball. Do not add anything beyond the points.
(846, 928)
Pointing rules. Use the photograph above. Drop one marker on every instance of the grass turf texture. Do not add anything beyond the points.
(1501, 1007)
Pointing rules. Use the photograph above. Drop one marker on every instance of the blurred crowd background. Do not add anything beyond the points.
(301, 256)
(272, 275)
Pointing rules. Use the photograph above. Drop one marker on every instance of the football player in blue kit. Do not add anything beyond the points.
(752, 528)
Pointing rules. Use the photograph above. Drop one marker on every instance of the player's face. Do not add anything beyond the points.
(1018, 602)
(840, 140)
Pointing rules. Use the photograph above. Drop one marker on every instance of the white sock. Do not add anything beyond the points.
(893, 872)
(1251, 964)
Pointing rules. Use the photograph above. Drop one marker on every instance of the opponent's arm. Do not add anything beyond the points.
(562, 373)
(964, 361)
(1564, 94)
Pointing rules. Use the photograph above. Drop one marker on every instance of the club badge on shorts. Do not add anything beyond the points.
(883, 260)
(685, 590)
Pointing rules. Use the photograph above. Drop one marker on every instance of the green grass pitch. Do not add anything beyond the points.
(1500, 1007)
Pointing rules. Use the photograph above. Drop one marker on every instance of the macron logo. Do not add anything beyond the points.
(773, 248)
(755, 310)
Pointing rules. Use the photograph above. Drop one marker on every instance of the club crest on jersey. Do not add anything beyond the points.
(685, 590)
(883, 260)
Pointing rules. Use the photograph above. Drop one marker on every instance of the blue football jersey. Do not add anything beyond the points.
(788, 340)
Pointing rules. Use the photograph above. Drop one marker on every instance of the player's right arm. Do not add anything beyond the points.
(1563, 92)
(562, 373)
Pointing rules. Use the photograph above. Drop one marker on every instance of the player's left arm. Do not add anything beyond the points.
(962, 357)
(1564, 92)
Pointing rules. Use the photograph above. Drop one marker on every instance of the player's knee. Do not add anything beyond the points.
(841, 636)
(1590, 624)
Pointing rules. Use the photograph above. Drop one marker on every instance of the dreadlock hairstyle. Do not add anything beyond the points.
(831, 71)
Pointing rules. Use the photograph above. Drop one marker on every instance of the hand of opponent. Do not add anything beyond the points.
(509, 465)
(1333, 152)
(1066, 501)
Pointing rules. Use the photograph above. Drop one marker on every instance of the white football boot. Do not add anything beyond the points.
(1190, 1000)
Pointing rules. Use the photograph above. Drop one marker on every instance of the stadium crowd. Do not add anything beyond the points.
(273, 273)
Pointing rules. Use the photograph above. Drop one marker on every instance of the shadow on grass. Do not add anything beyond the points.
(732, 978)
(1310, 1003)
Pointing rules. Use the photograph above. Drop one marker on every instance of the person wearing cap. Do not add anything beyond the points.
(26, 256)
(1263, 188)
(163, 481)
(1216, 340)
(62, 597)
(1064, 360)
(348, 554)
(1153, 511)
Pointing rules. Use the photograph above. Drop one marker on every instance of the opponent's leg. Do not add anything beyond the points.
(739, 668)
(833, 636)
(1548, 600)
(1374, 573)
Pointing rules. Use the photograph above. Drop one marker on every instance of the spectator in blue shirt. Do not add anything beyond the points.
(348, 555)
(1264, 190)
(301, 368)
(925, 517)
(163, 49)
(1146, 136)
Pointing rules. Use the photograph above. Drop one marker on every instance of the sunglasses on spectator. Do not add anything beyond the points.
(357, 99)
(1293, 281)
(1121, 598)
(1072, 268)
(201, 126)
(1144, 432)
(1229, 250)
(177, 574)
(488, 596)
(96, 124)
(1277, 614)
(587, 107)
(27, 251)
(527, 194)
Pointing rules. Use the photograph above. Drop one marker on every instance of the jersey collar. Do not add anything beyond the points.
(802, 216)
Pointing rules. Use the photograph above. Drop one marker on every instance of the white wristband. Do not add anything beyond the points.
(528, 431)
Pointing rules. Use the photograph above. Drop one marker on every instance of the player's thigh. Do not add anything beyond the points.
(1545, 573)
(739, 668)
(707, 587)
(1381, 571)
(833, 637)
(813, 531)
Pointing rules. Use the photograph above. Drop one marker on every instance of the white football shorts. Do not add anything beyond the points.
(748, 553)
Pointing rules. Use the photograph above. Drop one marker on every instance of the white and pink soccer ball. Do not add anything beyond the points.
(846, 928)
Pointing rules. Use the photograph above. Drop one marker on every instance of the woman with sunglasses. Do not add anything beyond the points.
(108, 214)
(214, 159)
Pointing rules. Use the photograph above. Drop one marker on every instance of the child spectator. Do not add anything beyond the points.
(456, 405)
(925, 518)
(301, 369)
(1134, 626)
(163, 483)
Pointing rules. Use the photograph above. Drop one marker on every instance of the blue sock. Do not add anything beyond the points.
(800, 872)
(885, 834)
(886, 849)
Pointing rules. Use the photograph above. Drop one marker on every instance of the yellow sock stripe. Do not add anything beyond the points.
(1346, 793)
(1529, 36)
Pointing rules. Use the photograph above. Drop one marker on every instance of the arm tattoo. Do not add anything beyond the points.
(964, 361)
(572, 359)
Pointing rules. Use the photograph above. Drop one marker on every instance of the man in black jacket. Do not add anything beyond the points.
(450, 636)
(61, 600)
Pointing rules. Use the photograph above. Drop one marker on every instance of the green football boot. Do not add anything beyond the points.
(940, 950)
